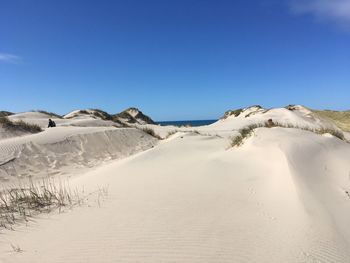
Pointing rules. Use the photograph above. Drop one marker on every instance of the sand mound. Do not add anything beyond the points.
(10, 128)
(67, 149)
(192, 200)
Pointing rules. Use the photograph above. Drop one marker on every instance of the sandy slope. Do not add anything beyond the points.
(299, 117)
(191, 199)
(281, 197)
(68, 150)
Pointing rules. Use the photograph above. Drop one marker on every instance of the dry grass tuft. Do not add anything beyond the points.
(21, 203)
(244, 133)
(151, 132)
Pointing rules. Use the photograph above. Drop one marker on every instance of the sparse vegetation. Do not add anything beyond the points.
(335, 133)
(244, 133)
(83, 112)
(237, 141)
(236, 113)
(133, 119)
(102, 114)
(5, 113)
(261, 110)
(126, 116)
(248, 131)
(52, 114)
(151, 132)
(140, 115)
(20, 125)
(18, 204)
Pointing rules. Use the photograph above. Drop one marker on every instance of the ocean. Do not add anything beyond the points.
(192, 123)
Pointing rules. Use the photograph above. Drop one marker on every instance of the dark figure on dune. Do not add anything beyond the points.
(51, 124)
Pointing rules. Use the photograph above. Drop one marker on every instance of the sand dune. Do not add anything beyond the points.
(280, 197)
(67, 150)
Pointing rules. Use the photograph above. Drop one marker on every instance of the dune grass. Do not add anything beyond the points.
(20, 125)
(243, 134)
(249, 130)
(151, 132)
(19, 204)
(229, 113)
(52, 114)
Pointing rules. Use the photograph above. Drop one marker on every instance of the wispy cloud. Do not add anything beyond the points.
(337, 11)
(9, 58)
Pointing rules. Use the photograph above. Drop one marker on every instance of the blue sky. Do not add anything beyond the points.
(174, 59)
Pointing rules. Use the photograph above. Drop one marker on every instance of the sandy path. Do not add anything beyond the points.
(187, 200)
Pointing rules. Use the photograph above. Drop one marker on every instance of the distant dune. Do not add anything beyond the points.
(5, 113)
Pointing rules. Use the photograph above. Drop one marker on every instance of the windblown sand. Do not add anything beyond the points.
(281, 197)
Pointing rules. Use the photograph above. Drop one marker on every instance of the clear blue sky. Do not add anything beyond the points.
(174, 59)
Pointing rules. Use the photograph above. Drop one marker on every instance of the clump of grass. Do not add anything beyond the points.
(236, 113)
(151, 132)
(237, 141)
(260, 110)
(244, 133)
(102, 114)
(18, 204)
(20, 125)
(84, 112)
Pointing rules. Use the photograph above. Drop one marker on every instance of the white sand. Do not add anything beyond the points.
(278, 198)
(300, 117)
(81, 120)
(68, 150)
